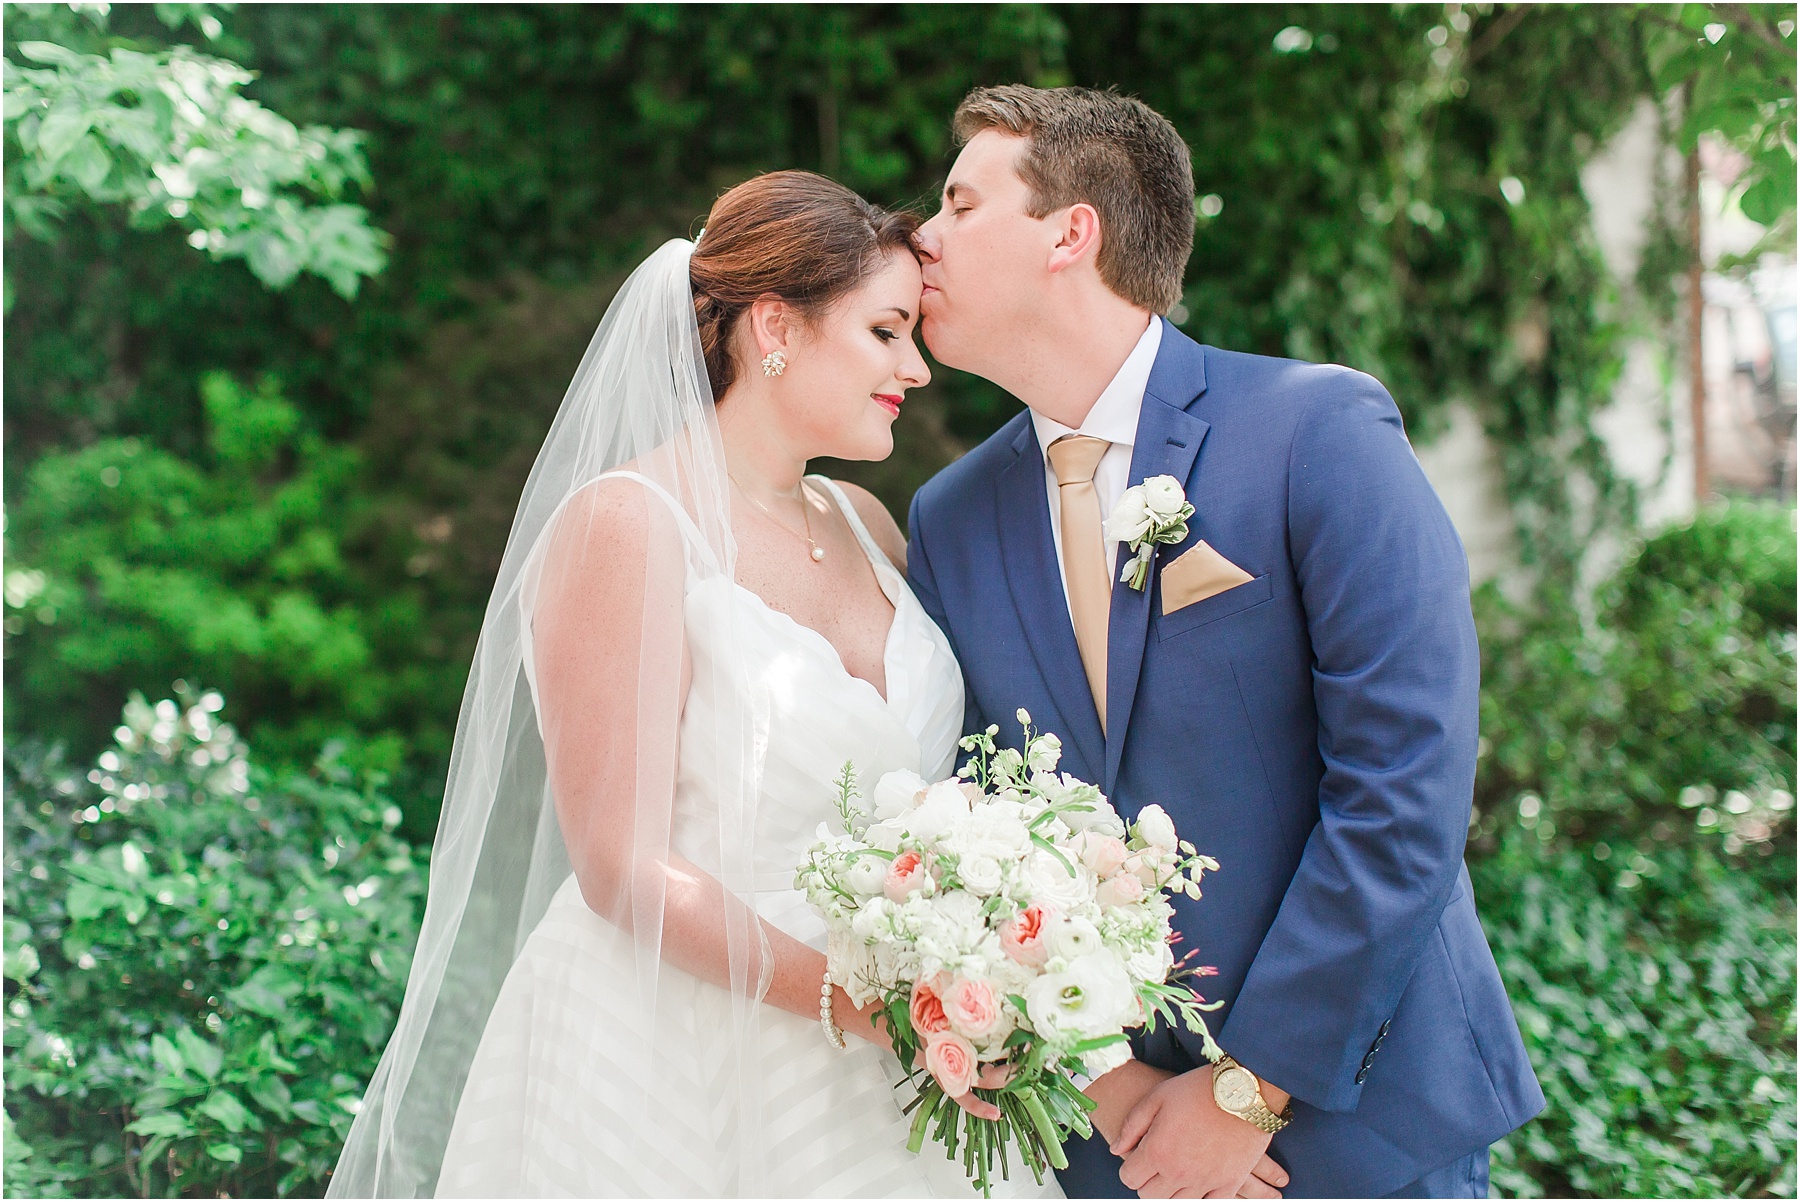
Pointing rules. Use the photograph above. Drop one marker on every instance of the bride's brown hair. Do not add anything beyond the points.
(791, 234)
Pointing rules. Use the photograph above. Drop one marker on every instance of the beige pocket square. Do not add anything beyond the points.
(1198, 573)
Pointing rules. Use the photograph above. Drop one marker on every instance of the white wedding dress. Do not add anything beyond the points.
(554, 1106)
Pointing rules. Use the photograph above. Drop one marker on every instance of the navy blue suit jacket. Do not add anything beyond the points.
(1313, 729)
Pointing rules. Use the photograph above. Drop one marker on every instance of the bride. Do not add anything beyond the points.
(617, 990)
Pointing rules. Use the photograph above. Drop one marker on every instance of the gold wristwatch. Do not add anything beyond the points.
(1239, 1093)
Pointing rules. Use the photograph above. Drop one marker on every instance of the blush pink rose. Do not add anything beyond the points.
(905, 876)
(1122, 890)
(1103, 854)
(973, 1008)
(1142, 869)
(928, 1017)
(951, 1059)
(1022, 936)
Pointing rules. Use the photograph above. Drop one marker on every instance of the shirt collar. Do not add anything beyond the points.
(1114, 416)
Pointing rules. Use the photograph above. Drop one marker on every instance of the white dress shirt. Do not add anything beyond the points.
(1114, 417)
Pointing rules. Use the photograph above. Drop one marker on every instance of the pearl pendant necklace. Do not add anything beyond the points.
(817, 552)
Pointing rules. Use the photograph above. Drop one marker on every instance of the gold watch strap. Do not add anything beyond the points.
(1257, 1114)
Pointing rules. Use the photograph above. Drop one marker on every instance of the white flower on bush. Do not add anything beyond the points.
(1154, 827)
(1091, 996)
(896, 793)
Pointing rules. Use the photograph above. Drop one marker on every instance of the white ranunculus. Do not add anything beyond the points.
(866, 875)
(1130, 519)
(1163, 497)
(1090, 996)
(1072, 938)
(1051, 883)
(980, 875)
(943, 804)
(1156, 828)
(895, 793)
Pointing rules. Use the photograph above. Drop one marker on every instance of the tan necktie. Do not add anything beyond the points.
(1074, 458)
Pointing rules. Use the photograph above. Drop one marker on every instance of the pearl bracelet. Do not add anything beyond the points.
(833, 1034)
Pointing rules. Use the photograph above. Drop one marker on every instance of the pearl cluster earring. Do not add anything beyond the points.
(774, 363)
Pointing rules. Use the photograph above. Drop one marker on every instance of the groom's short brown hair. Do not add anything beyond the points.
(1110, 151)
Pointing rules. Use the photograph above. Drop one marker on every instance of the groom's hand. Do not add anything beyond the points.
(1116, 1092)
(1176, 1142)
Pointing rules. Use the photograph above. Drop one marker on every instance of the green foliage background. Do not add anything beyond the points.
(295, 487)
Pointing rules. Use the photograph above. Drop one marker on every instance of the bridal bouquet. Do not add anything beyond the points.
(1013, 928)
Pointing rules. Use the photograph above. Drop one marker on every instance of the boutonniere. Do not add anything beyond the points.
(1150, 513)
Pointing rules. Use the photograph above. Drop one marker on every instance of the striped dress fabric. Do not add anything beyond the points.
(583, 1087)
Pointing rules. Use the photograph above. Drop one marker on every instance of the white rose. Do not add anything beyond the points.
(1150, 964)
(980, 875)
(895, 793)
(943, 804)
(1072, 938)
(1051, 883)
(1155, 827)
(865, 875)
(1163, 497)
(1091, 996)
(1130, 519)
(993, 829)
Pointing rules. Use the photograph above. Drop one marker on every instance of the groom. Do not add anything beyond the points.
(1295, 683)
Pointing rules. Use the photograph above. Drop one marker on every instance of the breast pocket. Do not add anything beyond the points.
(1220, 605)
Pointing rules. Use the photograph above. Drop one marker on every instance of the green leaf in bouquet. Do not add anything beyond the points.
(1083, 1047)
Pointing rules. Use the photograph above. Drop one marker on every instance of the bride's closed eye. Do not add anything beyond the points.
(885, 334)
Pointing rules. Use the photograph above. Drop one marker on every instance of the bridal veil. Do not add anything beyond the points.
(640, 401)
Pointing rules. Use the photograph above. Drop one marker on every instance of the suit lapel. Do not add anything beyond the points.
(1029, 559)
(1168, 443)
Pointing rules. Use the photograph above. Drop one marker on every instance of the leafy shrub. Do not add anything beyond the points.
(128, 566)
(203, 962)
(1659, 1013)
(1671, 716)
(1633, 859)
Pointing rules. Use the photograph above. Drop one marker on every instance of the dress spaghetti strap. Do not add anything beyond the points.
(870, 547)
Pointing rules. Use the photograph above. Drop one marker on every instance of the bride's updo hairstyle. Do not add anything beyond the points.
(791, 234)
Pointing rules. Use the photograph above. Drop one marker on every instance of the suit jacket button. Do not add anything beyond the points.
(1362, 1074)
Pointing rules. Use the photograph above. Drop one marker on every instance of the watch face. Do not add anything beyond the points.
(1236, 1089)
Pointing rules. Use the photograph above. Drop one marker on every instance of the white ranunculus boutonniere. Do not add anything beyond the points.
(1154, 512)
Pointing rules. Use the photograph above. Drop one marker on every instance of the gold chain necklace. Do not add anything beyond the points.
(818, 552)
